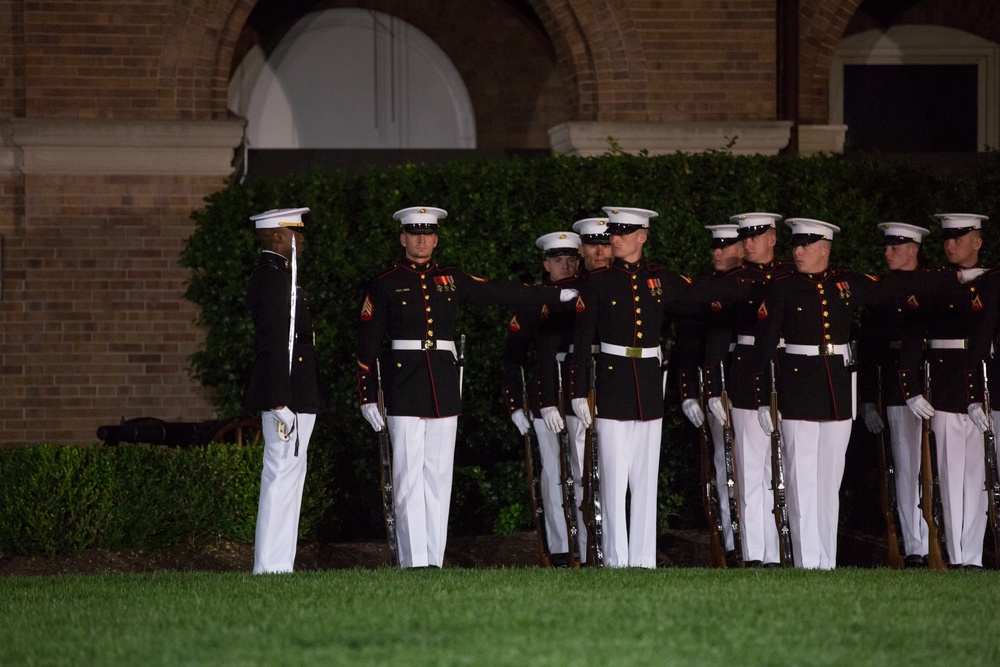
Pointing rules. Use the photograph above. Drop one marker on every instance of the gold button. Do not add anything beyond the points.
(639, 335)
(614, 303)
(430, 321)
(430, 333)
(826, 325)
(610, 368)
(636, 298)
(638, 323)
(427, 296)
(300, 358)
(638, 310)
(428, 309)
(422, 276)
(399, 365)
(823, 302)
(404, 303)
(826, 336)
(633, 276)
(768, 276)
(635, 287)
(826, 314)
(423, 286)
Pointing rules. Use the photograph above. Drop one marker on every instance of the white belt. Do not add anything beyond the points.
(426, 345)
(631, 352)
(827, 350)
(745, 340)
(947, 344)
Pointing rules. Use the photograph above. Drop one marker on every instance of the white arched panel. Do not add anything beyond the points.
(352, 78)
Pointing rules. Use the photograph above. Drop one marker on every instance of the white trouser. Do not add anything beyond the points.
(719, 457)
(550, 476)
(753, 471)
(281, 482)
(423, 461)
(814, 467)
(904, 437)
(629, 462)
(961, 476)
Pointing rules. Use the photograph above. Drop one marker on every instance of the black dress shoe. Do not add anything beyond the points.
(771, 566)
(972, 567)
(915, 562)
(559, 560)
(731, 558)
(754, 563)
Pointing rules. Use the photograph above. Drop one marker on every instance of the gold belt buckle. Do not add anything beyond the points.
(827, 350)
(633, 352)
(428, 345)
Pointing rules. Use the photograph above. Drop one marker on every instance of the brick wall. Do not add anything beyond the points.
(95, 324)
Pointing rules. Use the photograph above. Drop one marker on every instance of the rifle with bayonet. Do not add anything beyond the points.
(930, 494)
(534, 483)
(385, 475)
(732, 480)
(568, 486)
(887, 464)
(592, 510)
(778, 481)
(992, 475)
(710, 495)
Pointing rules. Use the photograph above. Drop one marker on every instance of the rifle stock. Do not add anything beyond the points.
(534, 484)
(385, 475)
(890, 506)
(568, 485)
(929, 494)
(710, 495)
(778, 481)
(593, 512)
(732, 481)
(992, 474)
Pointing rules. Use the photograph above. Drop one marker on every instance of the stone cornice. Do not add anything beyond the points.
(133, 147)
(586, 138)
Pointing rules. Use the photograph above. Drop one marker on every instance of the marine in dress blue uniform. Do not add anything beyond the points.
(948, 308)
(531, 327)
(624, 306)
(413, 304)
(879, 343)
(694, 339)
(812, 311)
(734, 347)
(286, 394)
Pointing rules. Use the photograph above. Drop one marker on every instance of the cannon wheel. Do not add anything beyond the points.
(240, 431)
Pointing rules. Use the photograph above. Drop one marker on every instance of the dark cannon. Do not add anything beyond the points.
(152, 431)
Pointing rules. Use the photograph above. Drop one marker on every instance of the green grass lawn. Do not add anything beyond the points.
(505, 617)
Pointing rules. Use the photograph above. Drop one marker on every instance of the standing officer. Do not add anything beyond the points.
(624, 307)
(947, 309)
(696, 343)
(283, 385)
(879, 348)
(560, 251)
(812, 309)
(414, 303)
(752, 447)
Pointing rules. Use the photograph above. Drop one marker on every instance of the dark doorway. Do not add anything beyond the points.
(911, 108)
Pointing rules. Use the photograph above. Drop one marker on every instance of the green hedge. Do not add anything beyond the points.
(496, 210)
(61, 500)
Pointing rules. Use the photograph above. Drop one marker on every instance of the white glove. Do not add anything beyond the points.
(371, 414)
(968, 275)
(715, 407)
(553, 420)
(978, 417)
(919, 406)
(693, 411)
(764, 417)
(521, 421)
(286, 418)
(568, 295)
(582, 411)
(872, 418)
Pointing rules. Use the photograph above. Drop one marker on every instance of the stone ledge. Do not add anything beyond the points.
(585, 139)
(134, 147)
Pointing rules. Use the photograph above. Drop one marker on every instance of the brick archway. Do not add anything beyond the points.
(194, 67)
(602, 54)
(821, 27)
